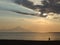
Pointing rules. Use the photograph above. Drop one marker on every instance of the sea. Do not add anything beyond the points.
(45, 36)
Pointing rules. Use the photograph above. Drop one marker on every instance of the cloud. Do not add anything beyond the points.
(36, 2)
(11, 6)
(11, 20)
(17, 22)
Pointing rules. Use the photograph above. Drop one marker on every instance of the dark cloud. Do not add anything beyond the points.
(26, 3)
(49, 6)
(52, 6)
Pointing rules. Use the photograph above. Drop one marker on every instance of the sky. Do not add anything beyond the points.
(12, 21)
(16, 7)
(36, 2)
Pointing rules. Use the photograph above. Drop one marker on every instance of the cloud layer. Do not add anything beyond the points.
(10, 20)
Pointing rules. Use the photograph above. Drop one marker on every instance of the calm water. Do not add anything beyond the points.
(30, 35)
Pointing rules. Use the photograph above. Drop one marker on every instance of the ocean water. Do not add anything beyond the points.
(30, 36)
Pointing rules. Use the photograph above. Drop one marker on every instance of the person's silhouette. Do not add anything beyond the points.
(49, 38)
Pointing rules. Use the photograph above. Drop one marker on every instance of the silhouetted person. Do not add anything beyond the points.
(49, 38)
